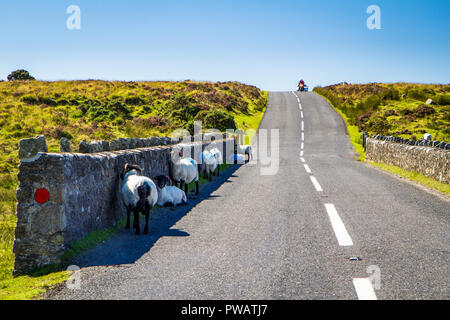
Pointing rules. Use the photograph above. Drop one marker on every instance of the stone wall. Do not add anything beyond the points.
(429, 161)
(62, 197)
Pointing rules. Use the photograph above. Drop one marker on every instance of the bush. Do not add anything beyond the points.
(20, 75)
(424, 110)
(443, 100)
(216, 119)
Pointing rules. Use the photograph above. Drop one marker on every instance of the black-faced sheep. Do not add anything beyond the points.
(245, 150)
(139, 194)
(169, 194)
(183, 170)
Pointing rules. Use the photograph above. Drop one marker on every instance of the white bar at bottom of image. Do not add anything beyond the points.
(364, 289)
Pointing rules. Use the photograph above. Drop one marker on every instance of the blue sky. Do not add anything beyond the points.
(270, 44)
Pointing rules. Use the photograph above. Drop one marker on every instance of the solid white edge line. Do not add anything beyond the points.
(316, 184)
(364, 289)
(338, 226)
(308, 170)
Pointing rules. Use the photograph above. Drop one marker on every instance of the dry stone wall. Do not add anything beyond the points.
(62, 197)
(429, 161)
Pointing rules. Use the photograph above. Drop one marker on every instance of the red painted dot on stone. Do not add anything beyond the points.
(41, 196)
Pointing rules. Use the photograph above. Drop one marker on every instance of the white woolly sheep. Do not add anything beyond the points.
(219, 158)
(245, 150)
(208, 165)
(183, 170)
(139, 194)
(427, 136)
(169, 194)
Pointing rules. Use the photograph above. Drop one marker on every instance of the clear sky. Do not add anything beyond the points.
(270, 44)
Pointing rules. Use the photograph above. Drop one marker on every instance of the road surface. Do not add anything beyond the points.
(285, 236)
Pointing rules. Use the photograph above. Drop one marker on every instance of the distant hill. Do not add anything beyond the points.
(105, 110)
(397, 109)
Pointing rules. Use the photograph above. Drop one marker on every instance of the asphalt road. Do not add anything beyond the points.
(288, 235)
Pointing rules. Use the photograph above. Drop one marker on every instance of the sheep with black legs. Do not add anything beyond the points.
(208, 165)
(169, 195)
(245, 150)
(139, 194)
(183, 170)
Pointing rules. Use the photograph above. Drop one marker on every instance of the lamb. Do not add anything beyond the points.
(184, 170)
(139, 194)
(169, 194)
(245, 150)
(208, 165)
(218, 155)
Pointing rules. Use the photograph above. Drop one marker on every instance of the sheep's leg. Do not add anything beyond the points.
(186, 188)
(128, 218)
(147, 215)
(210, 176)
(196, 188)
(218, 170)
(136, 222)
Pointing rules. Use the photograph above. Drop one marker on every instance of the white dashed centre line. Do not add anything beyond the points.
(338, 226)
(303, 160)
(301, 153)
(308, 170)
(303, 136)
(364, 289)
(303, 125)
(302, 146)
(301, 113)
(316, 184)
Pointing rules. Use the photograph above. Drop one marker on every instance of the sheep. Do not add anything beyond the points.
(169, 194)
(427, 136)
(183, 170)
(139, 194)
(245, 150)
(208, 165)
(218, 155)
(236, 158)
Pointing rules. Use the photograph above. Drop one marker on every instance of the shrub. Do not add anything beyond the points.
(30, 100)
(443, 100)
(216, 119)
(424, 110)
(134, 101)
(20, 75)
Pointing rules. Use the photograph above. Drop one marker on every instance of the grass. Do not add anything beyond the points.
(88, 110)
(414, 176)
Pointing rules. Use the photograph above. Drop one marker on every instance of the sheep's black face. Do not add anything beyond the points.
(129, 167)
(161, 181)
